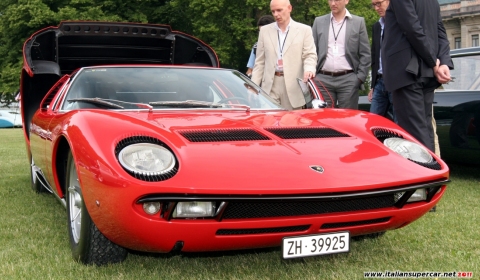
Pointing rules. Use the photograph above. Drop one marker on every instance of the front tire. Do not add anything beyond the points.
(88, 244)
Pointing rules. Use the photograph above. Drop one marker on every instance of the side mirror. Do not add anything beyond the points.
(313, 97)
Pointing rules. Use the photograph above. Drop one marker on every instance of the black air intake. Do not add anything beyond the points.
(305, 132)
(356, 223)
(279, 208)
(262, 230)
(222, 135)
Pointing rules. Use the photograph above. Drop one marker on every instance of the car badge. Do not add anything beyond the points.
(317, 168)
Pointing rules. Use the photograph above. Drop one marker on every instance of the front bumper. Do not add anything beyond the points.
(130, 227)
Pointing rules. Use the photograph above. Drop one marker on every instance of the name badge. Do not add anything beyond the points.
(335, 50)
(280, 64)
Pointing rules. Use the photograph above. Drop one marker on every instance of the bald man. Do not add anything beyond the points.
(285, 52)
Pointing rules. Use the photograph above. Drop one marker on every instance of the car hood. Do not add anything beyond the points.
(288, 151)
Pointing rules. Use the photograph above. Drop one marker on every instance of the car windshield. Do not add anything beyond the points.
(466, 73)
(164, 88)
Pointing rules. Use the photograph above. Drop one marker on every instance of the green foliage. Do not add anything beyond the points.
(10, 82)
(228, 26)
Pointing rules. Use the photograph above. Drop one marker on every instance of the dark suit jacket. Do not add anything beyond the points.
(414, 38)
(375, 51)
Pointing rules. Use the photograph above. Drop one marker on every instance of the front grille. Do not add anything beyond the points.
(222, 135)
(262, 230)
(356, 223)
(264, 209)
(268, 206)
(305, 132)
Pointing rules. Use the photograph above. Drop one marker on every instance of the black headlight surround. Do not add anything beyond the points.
(383, 133)
(146, 139)
(432, 165)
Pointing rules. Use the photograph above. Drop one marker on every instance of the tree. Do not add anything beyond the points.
(229, 26)
(18, 20)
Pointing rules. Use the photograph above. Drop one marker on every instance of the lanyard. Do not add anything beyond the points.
(283, 45)
(333, 29)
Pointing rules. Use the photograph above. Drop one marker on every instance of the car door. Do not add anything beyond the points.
(40, 135)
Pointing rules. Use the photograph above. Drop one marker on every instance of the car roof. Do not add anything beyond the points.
(465, 52)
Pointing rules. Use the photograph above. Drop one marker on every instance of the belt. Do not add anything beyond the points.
(280, 74)
(335, 74)
(379, 76)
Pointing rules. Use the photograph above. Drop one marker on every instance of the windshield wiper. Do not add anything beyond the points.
(112, 103)
(187, 103)
(96, 100)
(246, 107)
(196, 104)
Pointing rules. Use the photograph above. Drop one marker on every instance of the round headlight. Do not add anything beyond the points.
(408, 150)
(147, 159)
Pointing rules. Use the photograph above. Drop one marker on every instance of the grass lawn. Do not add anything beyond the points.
(34, 241)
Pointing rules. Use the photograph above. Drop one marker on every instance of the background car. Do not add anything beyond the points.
(151, 146)
(10, 118)
(457, 109)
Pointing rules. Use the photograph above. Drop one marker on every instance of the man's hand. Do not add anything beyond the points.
(442, 73)
(370, 95)
(307, 75)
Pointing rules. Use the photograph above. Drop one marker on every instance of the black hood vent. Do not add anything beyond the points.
(223, 135)
(305, 132)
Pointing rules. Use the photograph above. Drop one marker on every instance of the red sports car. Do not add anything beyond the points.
(151, 146)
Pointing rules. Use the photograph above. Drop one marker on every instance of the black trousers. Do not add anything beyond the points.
(413, 110)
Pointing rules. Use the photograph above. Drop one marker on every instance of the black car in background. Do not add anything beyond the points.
(457, 109)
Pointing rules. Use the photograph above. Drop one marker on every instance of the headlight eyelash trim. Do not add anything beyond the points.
(137, 139)
(383, 133)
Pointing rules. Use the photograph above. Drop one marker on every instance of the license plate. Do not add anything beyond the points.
(314, 245)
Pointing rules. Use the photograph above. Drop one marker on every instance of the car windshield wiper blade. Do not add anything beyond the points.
(111, 102)
(96, 100)
(243, 106)
(196, 104)
(187, 103)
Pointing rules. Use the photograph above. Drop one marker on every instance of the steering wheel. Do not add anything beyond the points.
(234, 98)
